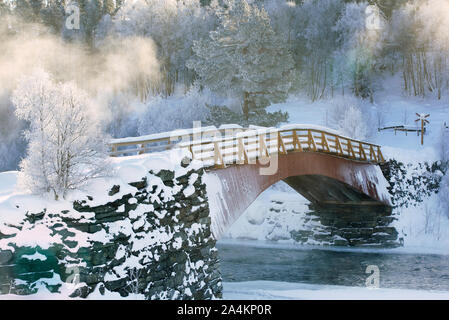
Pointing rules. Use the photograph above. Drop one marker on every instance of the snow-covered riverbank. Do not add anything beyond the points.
(272, 290)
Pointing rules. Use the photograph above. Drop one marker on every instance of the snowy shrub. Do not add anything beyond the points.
(175, 112)
(66, 145)
(347, 117)
(444, 194)
(412, 184)
(352, 123)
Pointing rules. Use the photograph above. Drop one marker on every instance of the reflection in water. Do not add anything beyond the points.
(346, 268)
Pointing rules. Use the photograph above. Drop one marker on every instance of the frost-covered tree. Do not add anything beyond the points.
(316, 43)
(419, 36)
(353, 123)
(173, 26)
(345, 115)
(359, 45)
(52, 15)
(91, 14)
(243, 57)
(175, 112)
(284, 20)
(66, 145)
(28, 10)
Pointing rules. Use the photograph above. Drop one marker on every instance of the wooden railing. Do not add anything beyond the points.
(237, 145)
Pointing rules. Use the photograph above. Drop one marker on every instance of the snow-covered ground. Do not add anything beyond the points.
(394, 109)
(15, 202)
(273, 290)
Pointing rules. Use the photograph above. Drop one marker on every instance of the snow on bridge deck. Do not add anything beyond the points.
(233, 144)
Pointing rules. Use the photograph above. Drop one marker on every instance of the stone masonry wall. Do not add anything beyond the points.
(155, 242)
(351, 225)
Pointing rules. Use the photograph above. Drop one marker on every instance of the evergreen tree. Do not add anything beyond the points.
(52, 15)
(243, 56)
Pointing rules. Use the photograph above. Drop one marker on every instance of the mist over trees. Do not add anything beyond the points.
(142, 62)
(329, 42)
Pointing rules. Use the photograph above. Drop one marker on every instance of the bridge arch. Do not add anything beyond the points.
(324, 179)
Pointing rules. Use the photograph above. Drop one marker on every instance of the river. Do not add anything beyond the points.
(318, 266)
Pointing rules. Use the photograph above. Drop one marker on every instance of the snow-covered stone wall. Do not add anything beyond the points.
(150, 241)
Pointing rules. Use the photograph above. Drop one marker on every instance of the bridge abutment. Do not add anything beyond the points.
(351, 225)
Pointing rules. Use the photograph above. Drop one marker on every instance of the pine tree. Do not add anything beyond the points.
(243, 56)
(52, 15)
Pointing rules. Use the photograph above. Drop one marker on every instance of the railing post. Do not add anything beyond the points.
(311, 140)
(350, 149)
(169, 145)
(281, 144)
(338, 146)
(380, 157)
(324, 143)
(372, 153)
(362, 151)
(296, 141)
(142, 149)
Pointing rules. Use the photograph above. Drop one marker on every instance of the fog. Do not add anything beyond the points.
(118, 67)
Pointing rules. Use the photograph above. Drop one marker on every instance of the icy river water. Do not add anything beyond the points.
(398, 270)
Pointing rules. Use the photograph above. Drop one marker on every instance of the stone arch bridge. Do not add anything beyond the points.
(340, 176)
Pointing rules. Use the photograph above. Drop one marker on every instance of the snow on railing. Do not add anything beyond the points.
(233, 144)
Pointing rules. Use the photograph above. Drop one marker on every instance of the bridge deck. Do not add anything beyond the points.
(232, 144)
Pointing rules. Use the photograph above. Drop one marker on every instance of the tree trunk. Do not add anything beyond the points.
(246, 105)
